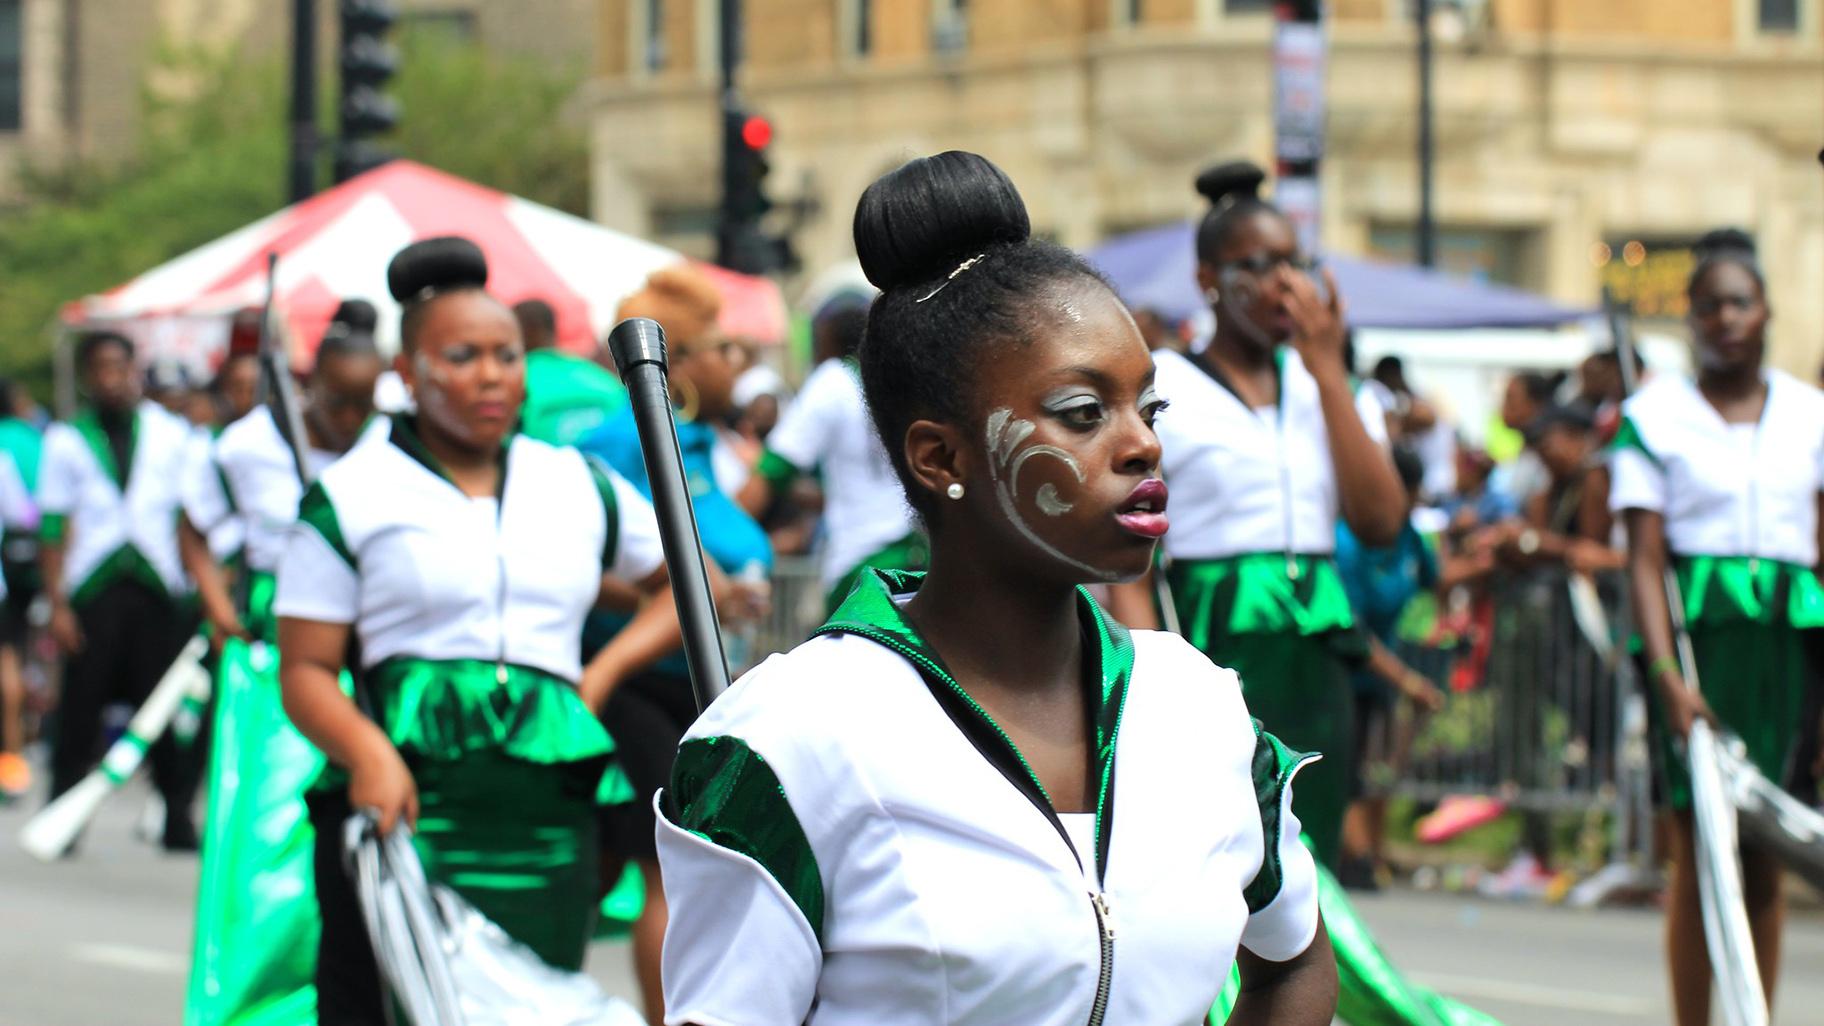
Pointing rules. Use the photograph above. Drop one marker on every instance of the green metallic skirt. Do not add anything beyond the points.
(1284, 625)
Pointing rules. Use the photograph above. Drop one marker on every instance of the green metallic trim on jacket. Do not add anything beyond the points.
(871, 612)
(1273, 769)
(88, 424)
(53, 528)
(724, 792)
(1255, 594)
(1627, 436)
(316, 511)
(776, 469)
(1736, 589)
(443, 709)
(611, 508)
(123, 564)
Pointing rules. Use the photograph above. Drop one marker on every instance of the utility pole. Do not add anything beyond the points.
(729, 223)
(303, 99)
(1425, 240)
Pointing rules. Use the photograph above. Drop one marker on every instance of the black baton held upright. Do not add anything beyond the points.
(638, 347)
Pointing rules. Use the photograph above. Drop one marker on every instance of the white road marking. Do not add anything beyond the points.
(1530, 994)
(125, 956)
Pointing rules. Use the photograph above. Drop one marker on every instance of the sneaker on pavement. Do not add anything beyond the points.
(15, 776)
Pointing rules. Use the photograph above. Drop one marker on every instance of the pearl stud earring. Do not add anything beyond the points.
(955, 491)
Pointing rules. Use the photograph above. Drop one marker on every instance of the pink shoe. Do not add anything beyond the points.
(1457, 814)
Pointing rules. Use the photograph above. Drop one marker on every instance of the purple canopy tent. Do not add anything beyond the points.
(1157, 268)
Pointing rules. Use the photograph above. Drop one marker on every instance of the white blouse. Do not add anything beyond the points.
(1725, 489)
(867, 863)
(827, 427)
(74, 483)
(389, 544)
(247, 476)
(1247, 480)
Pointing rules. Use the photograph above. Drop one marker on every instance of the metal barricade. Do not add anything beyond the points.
(1542, 708)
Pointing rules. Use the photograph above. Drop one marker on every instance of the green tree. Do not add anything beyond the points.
(212, 158)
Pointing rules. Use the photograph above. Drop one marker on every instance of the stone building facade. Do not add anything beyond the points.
(1578, 142)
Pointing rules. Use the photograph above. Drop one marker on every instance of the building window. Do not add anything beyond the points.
(1129, 12)
(652, 53)
(1247, 6)
(11, 66)
(1779, 16)
(1503, 256)
(950, 26)
(861, 27)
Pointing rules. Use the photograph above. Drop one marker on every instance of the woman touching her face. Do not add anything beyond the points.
(945, 837)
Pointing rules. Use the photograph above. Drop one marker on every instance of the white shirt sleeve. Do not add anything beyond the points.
(1373, 411)
(737, 950)
(1285, 926)
(315, 581)
(59, 479)
(1635, 481)
(638, 550)
(206, 502)
(803, 434)
(16, 507)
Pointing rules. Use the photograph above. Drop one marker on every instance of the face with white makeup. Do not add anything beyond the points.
(1055, 453)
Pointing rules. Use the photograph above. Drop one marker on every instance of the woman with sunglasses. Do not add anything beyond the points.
(1266, 445)
(459, 560)
(973, 798)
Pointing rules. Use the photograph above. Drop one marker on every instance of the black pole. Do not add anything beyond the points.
(1426, 229)
(303, 99)
(728, 226)
(638, 347)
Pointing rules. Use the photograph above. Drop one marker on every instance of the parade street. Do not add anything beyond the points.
(105, 941)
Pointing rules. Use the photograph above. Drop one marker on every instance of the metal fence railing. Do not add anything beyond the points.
(1542, 710)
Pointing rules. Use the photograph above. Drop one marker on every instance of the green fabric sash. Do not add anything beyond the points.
(1258, 593)
(1741, 589)
(126, 563)
(256, 913)
(442, 710)
(1373, 992)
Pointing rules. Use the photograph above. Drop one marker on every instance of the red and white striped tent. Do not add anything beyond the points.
(337, 244)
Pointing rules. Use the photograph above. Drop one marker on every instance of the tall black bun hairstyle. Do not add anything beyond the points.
(948, 242)
(430, 266)
(1233, 189)
(1725, 246)
(917, 223)
(1231, 181)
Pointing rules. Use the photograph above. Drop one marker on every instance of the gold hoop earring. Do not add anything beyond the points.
(690, 401)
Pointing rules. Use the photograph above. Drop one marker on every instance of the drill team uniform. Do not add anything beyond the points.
(868, 522)
(256, 941)
(1740, 503)
(1251, 561)
(110, 494)
(894, 861)
(468, 613)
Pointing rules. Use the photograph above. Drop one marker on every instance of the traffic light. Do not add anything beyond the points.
(368, 62)
(742, 244)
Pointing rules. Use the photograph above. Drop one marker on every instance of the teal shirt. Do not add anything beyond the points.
(24, 443)
(567, 397)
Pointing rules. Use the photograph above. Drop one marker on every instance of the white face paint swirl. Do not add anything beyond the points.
(1004, 435)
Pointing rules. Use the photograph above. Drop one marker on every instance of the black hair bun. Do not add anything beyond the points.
(919, 221)
(1732, 241)
(356, 317)
(1231, 182)
(436, 265)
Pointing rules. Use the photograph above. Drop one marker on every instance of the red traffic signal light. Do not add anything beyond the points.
(756, 132)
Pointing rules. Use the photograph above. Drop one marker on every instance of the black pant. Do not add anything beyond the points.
(130, 635)
(348, 978)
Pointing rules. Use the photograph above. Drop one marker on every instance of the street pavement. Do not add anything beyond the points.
(104, 940)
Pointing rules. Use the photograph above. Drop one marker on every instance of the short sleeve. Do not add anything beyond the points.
(205, 494)
(1637, 480)
(17, 511)
(1373, 412)
(1282, 898)
(317, 579)
(632, 550)
(802, 436)
(747, 904)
